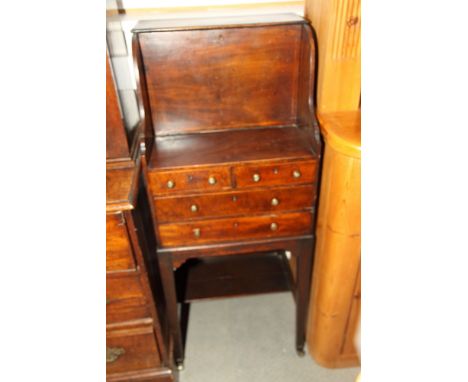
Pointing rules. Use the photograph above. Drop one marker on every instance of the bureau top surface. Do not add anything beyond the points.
(280, 143)
(216, 22)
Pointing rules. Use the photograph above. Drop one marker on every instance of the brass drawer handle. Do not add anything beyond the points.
(296, 174)
(273, 226)
(108, 300)
(112, 354)
(194, 208)
(274, 202)
(256, 177)
(196, 232)
(170, 184)
(212, 180)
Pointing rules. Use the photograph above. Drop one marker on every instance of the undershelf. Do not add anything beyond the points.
(234, 275)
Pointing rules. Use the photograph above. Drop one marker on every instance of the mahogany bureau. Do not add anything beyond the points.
(137, 349)
(231, 147)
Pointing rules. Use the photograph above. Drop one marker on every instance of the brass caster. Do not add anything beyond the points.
(180, 366)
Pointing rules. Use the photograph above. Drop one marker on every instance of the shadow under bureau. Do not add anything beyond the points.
(231, 147)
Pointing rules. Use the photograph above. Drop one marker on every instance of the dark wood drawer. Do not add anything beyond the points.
(120, 288)
(189, 180)
(233, 229)
(119, 254)
(121, 311)
(131, 349)
(172, 209)
(275, 174)
(125, 299)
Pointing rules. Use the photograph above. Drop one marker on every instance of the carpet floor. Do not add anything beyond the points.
(250, 339)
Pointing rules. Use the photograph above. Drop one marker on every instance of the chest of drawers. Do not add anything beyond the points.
(136, 347)
(231, 147)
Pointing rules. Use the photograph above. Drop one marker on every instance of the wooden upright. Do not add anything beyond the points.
(337, 24)
(336, 284)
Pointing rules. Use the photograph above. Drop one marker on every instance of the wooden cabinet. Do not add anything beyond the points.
(336, 286)
(136, 347)
(231, 147)
(335, 300)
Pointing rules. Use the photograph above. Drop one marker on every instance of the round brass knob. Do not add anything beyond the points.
(273, 226)
(256, 177)
(180, 366)
(196, 232)
(170, 184)
(212, 180)
(296, 174)
(274, 202)
(193, 208)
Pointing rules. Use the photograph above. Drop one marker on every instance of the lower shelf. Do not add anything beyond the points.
(234, 275)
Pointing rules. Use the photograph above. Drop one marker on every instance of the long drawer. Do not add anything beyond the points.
(236, 228)
(131, 349)
(179, 208)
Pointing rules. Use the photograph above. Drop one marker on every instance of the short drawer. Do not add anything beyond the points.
(119, 254)
(276, 174)
(171, 209)
(233, 229)
(189, 180)
(122, 288)
(131, 349)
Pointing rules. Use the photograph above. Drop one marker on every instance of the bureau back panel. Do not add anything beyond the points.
(214, 79)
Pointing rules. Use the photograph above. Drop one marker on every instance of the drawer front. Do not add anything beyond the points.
(126, 310)
(171, 209)
(119, 254)
(121, 288)
(189, 180)
(233, 229)
(276, 174)
(131, 350)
